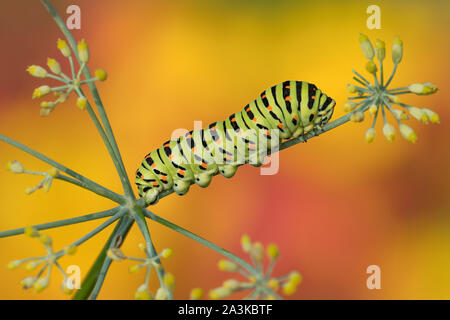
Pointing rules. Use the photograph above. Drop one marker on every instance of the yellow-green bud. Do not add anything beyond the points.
(15, 167)
(423, 88)
(48, 105)
(272, 251)
(389, 132)
(357, 116)
(83, 51)
(54, 65)
(366, 46)
(169, 280)
(14, 264)
(371, 67)
(419, 114)
(53, 172)
(44, 112)
(351, 88)
(373, 109)
(30, 232)
(257, 251)
(70, 250)
(246, 243)
(142, 293)
(296, 277)
(400, 114)
(37, 71)
(225, 265)
(273, 284)
(196, 294)
(219, 293)
(370, 135)
(394, 98)
(67, 286)
(167, 253)
(29, 191)
(397, 50)
(81, 103)
(41, 91)
(45, 239)
(231, 284)
(116, 254)
(40, 284)
(101, 74)
(349, 106)
(289, 288)
(134, 269)
(380, 50)
(433, 116)
(27, 282)
(62, 45)
(161, 294)
(31, 266)
(408, 133)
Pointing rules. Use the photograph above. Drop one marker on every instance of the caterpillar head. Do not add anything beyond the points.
(326, 109)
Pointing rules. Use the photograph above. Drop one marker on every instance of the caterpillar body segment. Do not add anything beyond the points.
(284, 111)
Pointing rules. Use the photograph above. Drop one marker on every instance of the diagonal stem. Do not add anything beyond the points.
(96, 276)
(115, 154)
(201, 240)
(142, 224)
(85, 182)
(60, 223)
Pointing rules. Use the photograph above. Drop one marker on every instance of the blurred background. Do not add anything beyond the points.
(336, 206)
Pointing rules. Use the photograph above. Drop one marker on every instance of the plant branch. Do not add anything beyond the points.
(142, 224)
(92, 284)
(201, 240)
(99, 228)
(121, 230)
(60, 223)
(85, 182)
(115, 155)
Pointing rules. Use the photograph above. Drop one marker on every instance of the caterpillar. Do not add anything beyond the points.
(284, 111)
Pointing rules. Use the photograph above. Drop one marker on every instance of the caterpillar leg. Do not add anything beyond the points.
(181, 187)
(203, 180)
(227, 170)
(298, 132)
(151, 196)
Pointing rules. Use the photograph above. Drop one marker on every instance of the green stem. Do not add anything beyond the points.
(93, 283)
(391, 77)
(57, 78)
(356, 79)
(142, 224)
(93, 232)
(399, 92)
(360, 97)
(381, 74)
(361, 77)
(105, 121)
(88, 184)
(72, 67)
(107, 194)
(92, 276)
(327, 127)
(398, 89)
(201, 240)
(60, 223)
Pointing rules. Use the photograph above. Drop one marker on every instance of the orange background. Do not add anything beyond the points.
(336, 206)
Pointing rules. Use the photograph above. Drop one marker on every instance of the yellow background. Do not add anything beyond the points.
(336, 206)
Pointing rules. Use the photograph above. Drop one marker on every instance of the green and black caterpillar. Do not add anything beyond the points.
(286, 110)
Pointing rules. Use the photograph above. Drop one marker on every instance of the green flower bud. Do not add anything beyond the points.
(397, 50)
(366, 46)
